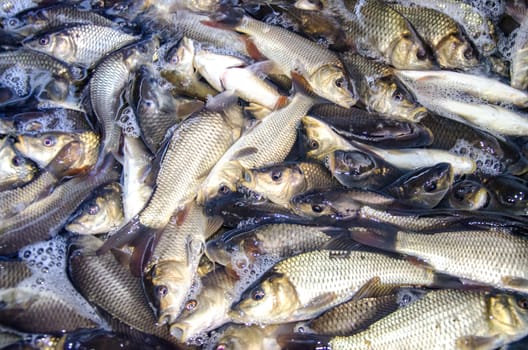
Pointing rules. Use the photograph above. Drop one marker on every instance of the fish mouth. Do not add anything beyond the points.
(418, 114)
(179, 331)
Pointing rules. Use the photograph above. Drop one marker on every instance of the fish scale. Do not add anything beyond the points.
(37, 60)
(316, 176)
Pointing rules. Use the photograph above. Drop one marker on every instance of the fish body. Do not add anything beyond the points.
(12, 272)
(518, 70)
(308, 284)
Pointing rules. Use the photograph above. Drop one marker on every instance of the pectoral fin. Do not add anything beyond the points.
(476, 343)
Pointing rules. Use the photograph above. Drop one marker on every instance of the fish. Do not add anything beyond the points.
(511, 193)
(479, 28)
(15, 170)
(361, 170)
(12, 7)
(499, 260)
(272, 241)
(280, 182)
(42, 219)
(441, 319)
(171, 271)
(372, 128)
(156, 109)
(207, 310)
(101, 214)
(42, 148)
(95, 275)
(106, 84)
(468, 195)
(253, 150)
(518, 71)
(80, 44)
(380, 90)
(195, 145)
(380, 32)
(459, 84)
(12, 272)
(322, 140)
(15, 200)
(46, 18)
(46, 120)
(241, 337)
(32, 311)
(322, 69)
(423, 188)
(306, 285)
(450, 46)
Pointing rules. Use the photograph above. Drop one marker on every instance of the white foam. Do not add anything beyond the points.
(127, 121)
(17, 79)
(505, 44)
(47, 261)
(249, 272)
(492, 9)
(11, 8)
(488, 163)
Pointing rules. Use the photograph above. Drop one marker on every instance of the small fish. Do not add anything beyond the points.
(305, 285)
(83, 44)
(15, 170)
(423, 188)
(101, 214)
(468, 195)
(280, 182)
(446, 319)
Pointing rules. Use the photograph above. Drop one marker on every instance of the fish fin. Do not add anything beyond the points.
(341, 242)
(319, 302)
(61, 164)
(123, 257)
(517, 283)
(300, 84)
(213, 224)
(264, 67)
(367, 289)
(126, 234)
(442, 280)
(188, 108)
(221, 101)
(143, 248)
(300, 341)
(257, 111)
(381, 236)
(474, 342)
(226, 17)
(252, 49)
(282, 101)
(181, 215)
(244, 152)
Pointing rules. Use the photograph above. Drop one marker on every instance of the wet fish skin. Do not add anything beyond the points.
(464, 319)
(424, 187)
(32, 311)
(498, 261)
(280, 182)
(15, 170)
(242, 337)
(83, 44)
(468, 195)
(443, 34)
(46, 120)
(12, 272)
(518, 71)
(510, 192)
(44, 218)
(305, 285)
(380, 90)
(102, 214)
(208, 310)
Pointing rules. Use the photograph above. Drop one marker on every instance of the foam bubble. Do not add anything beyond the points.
(47, 262)
(127, 121)
(487, 163)
(249, 272)
(11, 8)
(17, 79)
(492, 9)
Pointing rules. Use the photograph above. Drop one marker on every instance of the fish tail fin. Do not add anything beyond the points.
(381, 236)
(67, 156)
(227, 17)
(298, 341)
(130, 232)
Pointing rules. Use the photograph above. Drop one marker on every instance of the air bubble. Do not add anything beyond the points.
(127, 121)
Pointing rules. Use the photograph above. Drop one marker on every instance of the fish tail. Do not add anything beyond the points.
(297, 341)
(227, 17)
(130, 232)
(381, 236)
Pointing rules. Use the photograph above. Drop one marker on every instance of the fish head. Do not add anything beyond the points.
(510, 191)
(453, 52)
(273, 300)
(409, 53)
(220, 251)
(219, 183)
(202, 314)
(424, 187)
(508, 314)
(59, 44)
(391, 98)
(42, 148)
(278, 183)
(356, 165)
(468, 195)
(13, 167)
(320, 139)
(315, 205)
(12, 24)
(331, 82)
(239, 337)
(165, 286)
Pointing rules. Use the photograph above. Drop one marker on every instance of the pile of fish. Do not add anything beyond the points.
(332, 174)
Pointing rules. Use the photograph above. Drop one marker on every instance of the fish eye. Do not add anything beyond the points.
(257, 294)
(94, 209)
(397, 96)
(316, 208)
(191, 304)
(17, 161)
(276, 175)
(340, 82)
(223, 189)
(468, 53)
(49, 141)
(421, 54)
(161, 291)
(44, 40)
(12, 22)
(523, 303)
(429, 186)
(313, 144)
